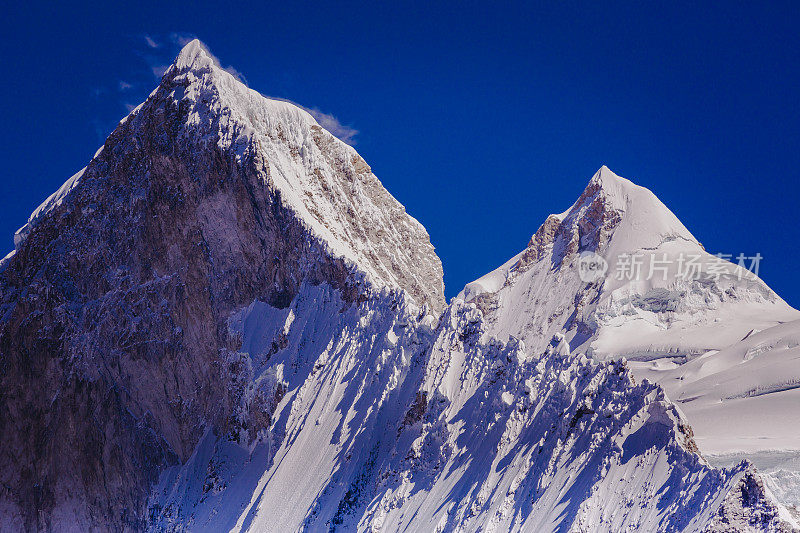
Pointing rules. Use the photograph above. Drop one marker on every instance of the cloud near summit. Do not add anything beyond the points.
(161, 50)
(332, 124)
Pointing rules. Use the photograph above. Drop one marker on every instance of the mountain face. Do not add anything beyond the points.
(225, 322)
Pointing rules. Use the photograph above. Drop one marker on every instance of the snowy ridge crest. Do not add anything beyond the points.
(385, 422)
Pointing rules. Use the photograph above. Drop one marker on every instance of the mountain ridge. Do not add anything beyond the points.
(224, 321)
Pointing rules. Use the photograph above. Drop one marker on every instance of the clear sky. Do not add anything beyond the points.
(482, 118)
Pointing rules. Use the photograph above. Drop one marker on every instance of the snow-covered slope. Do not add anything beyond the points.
(743, 404)
(380, 422)
(743, 397)
(696, 332)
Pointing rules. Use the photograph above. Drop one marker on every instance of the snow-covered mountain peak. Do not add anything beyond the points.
(612, 206)
(644, 283)
(606, 179)
(206, 199)
(618, 193)
(322, 181)
(194, 55)
(611, 183)
(613, 216)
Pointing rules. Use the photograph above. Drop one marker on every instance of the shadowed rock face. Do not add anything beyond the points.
(114, 313)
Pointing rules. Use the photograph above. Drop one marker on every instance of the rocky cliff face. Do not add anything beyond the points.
(206, 197)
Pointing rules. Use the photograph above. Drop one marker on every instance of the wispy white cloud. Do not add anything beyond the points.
(124, 85)
(332, 124)
(152, 43)
(344, 133)
(182, 39)
(235, 73)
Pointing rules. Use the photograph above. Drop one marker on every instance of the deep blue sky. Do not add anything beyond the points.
(482, 118)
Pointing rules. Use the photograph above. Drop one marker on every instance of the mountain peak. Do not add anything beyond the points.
(611, 208)
(630, 213)
(606, 175)
(278, 149)
(194, 54)
(612, 216)
(611, 183)
(320, 179)
(619, 193)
